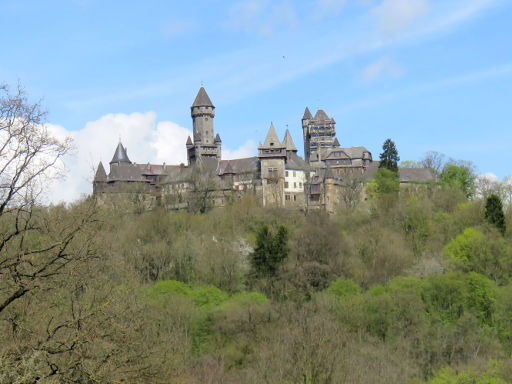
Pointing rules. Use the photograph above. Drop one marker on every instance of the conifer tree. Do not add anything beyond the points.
(389, 158)
(271, 250)
(494, 212)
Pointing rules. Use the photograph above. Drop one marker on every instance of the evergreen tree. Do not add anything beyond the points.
(271, 250)
(494, 213)
(389, 158)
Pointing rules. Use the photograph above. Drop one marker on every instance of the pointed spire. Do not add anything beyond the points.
(217, 139)
(307, 114)
(189, 142)
(202, 99)
(101, 175)
(320, 115)
(288, 142)
(272, 140)
(120, 156)
(336, 142)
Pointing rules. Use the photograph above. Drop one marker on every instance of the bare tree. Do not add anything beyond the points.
(433, 160)
(28, 158)
(351, 191)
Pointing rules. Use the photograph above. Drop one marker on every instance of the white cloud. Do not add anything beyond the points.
(382, 67)
(396, 15)
(246, 150)
(329, 7)
(263, 17)
(146, 140)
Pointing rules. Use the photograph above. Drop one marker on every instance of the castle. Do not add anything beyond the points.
(278, 176)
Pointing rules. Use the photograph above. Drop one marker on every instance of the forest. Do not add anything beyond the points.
(412, 285)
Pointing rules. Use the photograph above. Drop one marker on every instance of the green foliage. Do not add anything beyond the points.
(449, 375)
(344, 287)
(494, 213)
(485, 254)
(387, 182)
(207, 295)
(461, 177)
(389, 157)
(270, 251)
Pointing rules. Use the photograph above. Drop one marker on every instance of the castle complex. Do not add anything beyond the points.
(278, 176)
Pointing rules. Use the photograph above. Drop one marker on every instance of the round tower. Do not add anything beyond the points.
(203, 112)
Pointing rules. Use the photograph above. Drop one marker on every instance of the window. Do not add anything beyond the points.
(294, 185)
(294, 197)
(300, 185)
(286, 174)
(286, 184)
(294, 174)
(287, 197)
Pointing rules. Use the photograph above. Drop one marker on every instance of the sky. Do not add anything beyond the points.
(429, 74)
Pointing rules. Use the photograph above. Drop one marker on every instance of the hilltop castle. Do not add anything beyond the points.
(277, 176)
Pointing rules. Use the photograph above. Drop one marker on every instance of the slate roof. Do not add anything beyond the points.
(189, 142)
(100, 175)
(307, 114)
(296, 162)
(320, 115)
(202, 99)
(120, 155)
(272, 140)
(350, 152)
(407, 175)
(244, 165)
(217, 139)
(288, 142)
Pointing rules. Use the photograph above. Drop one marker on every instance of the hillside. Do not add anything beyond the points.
(414, 288)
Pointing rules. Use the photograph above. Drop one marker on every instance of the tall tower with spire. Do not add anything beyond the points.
(319, 133)
(272, 155)
(204, 144)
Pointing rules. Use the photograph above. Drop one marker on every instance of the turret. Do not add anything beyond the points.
(204, 143)
(289, 144)
(120, 155)
(100, 179)
(202, 112)
(272, 155)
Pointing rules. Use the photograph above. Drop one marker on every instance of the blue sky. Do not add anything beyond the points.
(430, 74)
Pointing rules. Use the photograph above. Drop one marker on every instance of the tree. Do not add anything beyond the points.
(271, 250)
(433, 160)
(459, 175)
(387, 181)
(29, 156)
(389, 158)
(494, 213)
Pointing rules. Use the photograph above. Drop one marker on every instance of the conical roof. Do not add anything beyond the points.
(101, 175)
(189, 142)
(307, 114)
(202, 99)
(120, 156)
(320, 115)
(288, 142)
(336, 142)
(217, 139)
(272, 140)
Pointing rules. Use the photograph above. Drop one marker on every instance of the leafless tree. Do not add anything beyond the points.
(28, 159)
(433, 160)
(350, 194)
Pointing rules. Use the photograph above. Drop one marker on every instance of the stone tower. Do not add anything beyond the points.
(319, 133)
(205, 144)
(272, 155)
